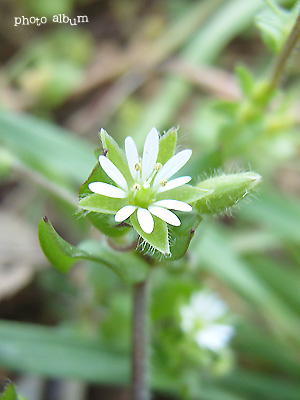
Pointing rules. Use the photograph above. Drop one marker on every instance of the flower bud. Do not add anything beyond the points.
(227, 191)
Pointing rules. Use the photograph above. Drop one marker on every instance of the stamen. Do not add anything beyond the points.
(157, 166)
(136, 186)
(163, 182)
(138, 166)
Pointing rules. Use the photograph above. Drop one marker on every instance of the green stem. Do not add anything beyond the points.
(285, 54)
(140, 389)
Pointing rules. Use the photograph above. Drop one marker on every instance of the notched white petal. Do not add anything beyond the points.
(174, 183)
(124, 213)
(145, 220)
(173, 165)
(113, 172)
(173, 205)
(107, 190)
(150, 153)
(131, 155)
(165, 215)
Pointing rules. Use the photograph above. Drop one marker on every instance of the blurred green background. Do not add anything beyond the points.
(202, 65)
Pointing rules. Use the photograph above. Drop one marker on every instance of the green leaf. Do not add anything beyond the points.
(245, 79)
(102, 204)
(62, 255)
(167, 145)
(186, 193)
(59, 252)
(158, 238)
(9, 393)
(115, 154)
(181, 236)
(275, 25)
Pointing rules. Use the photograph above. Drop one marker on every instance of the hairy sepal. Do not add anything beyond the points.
(158, 239)
(167, 146)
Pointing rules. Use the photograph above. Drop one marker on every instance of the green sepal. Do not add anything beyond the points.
(102, 204)
(102, 220)
(115, 154)
(167, 145)
(186, 193)
(62, 255)
(227, 191)
(9, 393)
(98, 152)
(159, 236)
(181, 236)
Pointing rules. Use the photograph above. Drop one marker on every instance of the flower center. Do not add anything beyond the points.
(142, 197)
(198, 324)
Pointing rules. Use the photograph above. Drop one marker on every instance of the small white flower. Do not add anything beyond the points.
(203, 319)
(148, 179)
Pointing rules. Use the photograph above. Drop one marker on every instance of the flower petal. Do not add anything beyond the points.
(113, 172)
(187, 318)
(107, 190)
(165, 215)
(145, 220)
(173, 205)
(214, 337)
(174, 183)
(173, 165)
(124, 213)
(131, 155)
(208, 306)
(150, 153)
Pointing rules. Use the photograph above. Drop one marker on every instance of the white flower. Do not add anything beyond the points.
(148, 179)
(203, 319)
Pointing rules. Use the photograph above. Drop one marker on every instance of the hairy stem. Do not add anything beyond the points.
(140, 389)
(285, 54)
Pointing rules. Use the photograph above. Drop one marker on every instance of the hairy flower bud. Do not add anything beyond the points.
(227, 191)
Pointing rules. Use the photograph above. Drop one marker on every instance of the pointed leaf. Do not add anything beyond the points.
(9, 393)
(62, 255)
(159, 236)
(167, 145)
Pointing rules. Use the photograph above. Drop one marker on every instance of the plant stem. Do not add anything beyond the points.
(285, 54)
(140, 390)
